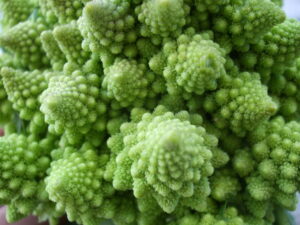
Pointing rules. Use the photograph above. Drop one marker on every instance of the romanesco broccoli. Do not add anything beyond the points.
(142, 112)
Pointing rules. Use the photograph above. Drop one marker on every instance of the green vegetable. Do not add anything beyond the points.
(142, 112)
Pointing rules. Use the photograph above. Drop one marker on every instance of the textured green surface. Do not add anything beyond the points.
(149, 111)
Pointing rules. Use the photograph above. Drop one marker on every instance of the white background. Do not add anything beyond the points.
(292, 9)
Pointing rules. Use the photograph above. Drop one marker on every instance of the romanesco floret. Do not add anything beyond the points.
(142, 112)
(224, 185)
(228, 217)
(284, 88)
(70, 104)
(275, 51)
(241, 103)
(53, 51)
(69, 40)
(76, 183)
(275, 146)
(108, 24)
(6, 110)
(15, 11)
(239, 23)
(23, 40)
(47, 11)
(65, 10)
(23, 89)
(127, 81)
(162, 18)
(164, 156)
(193, 64)
(24, 162)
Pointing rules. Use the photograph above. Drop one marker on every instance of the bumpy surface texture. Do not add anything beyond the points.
(143, 112)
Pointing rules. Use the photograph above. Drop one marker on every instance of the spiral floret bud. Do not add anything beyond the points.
(242, 103)
(69, 41)
(23, 41)
(76, 184)
(193, 64)
(23, 165)
(108, 24)
(66, 10)
(70, 104)
(162, 17)
(15, 11)
(164, 156)
(23, 89)
(128, 82)
(276, 150)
